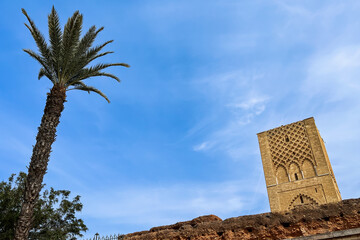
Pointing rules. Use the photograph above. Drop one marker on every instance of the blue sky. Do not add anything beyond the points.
(179, 137)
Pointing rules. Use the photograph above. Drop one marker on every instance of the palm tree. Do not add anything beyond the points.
(65, 62)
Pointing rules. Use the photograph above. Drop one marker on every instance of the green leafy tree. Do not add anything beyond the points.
(54, 213)
(65, 62)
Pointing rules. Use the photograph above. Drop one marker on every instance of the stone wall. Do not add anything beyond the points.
(305, 220)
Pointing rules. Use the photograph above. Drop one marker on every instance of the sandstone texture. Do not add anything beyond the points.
(296, 166)
(304, 220)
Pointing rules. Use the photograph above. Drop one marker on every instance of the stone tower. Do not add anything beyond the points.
(296, 166)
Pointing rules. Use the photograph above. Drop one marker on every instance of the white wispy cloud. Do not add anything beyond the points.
(202, 146)
(334, 73)
(244, 111)
(236, 101)
(159, 205)
(250, 103)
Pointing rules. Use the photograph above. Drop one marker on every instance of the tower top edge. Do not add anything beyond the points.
(285, 125)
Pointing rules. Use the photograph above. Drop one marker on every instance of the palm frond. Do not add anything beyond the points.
(99, 30)
(101, 66)
(83, 46)
(85, 59)
(81, 61)
(94, 71)
(37, 57)
(43, 72)
(100, 55)
(81, 86)
(71, 35)
(42, 61)
(78, 83)
(98, 74)
(39, 39)
(86, 41)
(55, 36)
(90, 55)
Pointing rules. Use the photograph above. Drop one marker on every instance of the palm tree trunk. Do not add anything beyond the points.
(40, 158)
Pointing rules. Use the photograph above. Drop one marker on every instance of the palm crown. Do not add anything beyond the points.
(65, 62)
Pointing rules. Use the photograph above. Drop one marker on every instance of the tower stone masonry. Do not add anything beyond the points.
(296, 166)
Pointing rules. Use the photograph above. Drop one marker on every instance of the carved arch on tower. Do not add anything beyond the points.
(308, 169)
(281, 174)
(302, 199)
(294, 171)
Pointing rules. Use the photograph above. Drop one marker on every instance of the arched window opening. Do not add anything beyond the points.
(315, 189)
(287, 138)
(301, 199)
(308, 169)
(281, 175)
(294, 172)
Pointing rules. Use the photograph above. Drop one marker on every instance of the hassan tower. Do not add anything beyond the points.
(296, 166)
